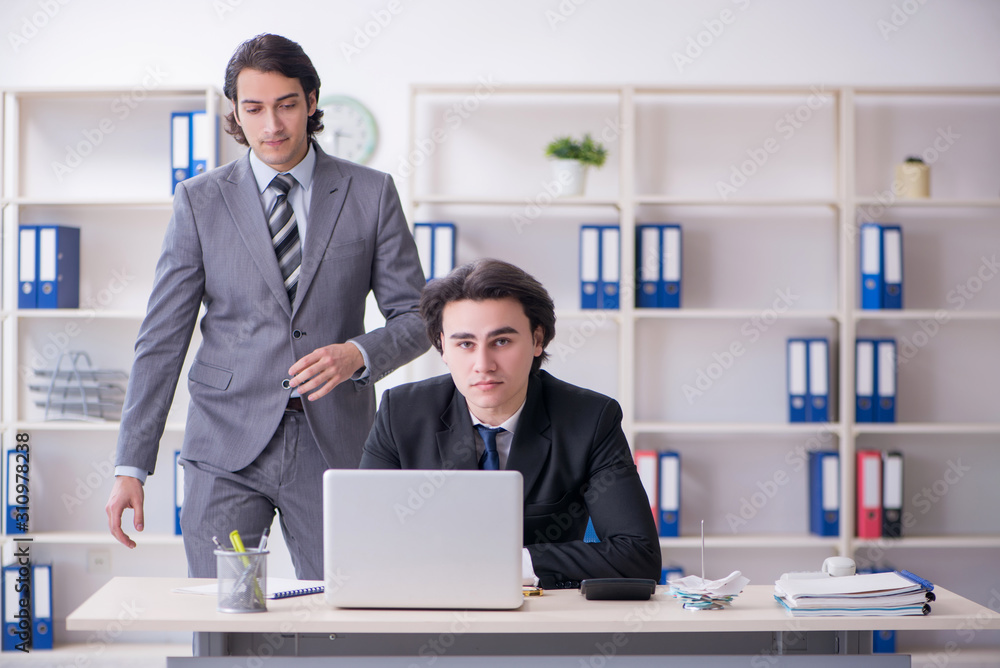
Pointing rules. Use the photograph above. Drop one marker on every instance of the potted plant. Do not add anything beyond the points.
(570, 159)
(913, 178)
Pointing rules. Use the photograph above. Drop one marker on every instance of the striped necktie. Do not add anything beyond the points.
(285, 234)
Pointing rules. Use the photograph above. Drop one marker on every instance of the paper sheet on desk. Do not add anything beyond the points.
(731, 585)
(854, 586)
(274, 587)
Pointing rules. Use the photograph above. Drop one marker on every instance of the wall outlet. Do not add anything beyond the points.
(99, 561)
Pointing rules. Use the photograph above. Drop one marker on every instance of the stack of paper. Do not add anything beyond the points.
(871, 594)
(700, 594)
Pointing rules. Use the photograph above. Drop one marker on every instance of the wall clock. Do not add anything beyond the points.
(350, 131)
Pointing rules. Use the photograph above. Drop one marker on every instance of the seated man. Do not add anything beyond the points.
(491, 323)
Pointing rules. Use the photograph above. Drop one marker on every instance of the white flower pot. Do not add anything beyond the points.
(913, 180)
(571, 177)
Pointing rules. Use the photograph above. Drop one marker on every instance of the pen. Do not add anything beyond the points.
(916, 579)
(234, 538)
(263, 539)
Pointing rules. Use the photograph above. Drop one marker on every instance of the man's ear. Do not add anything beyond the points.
(236, 113)
(312, 103)
(538, 339)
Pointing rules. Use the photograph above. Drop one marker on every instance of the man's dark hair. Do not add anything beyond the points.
(272, 53)
(489, 279)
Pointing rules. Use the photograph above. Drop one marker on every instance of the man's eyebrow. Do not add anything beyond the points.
(496, 332)
(283, 97)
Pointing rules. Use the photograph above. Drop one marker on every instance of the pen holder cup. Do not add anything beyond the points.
(242, 581)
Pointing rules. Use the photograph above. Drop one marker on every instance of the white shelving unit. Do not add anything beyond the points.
(814, 164)
(117, 190)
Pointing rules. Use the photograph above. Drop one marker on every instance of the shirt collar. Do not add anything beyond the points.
(303, 172)
(510, 424)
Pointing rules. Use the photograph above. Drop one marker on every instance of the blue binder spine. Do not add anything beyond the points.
(871, 266)
(864, 380)
(819, 381)
(590, 265)
(423, 236)
(27, 267)
(202, 144)
(610, 280)
(670, 494)
(798, 375)
(885, 407)
(647, 265)
(58, 266)
(16, 617)
(892, 267)
(443, 246)
(824, 493)
(672, 263)
(15, 513)
(180, 148)
(41, 606)
(178, 491)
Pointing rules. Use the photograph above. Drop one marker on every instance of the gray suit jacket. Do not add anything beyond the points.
(218, 252)
(571, 451)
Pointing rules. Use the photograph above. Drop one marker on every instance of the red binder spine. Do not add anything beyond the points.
(869, 489)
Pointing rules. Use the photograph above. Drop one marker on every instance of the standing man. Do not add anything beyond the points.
(281, 247)
(497, 410)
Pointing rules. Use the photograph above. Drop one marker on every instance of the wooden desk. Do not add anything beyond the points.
(559, 625)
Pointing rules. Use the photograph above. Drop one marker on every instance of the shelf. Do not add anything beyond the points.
(90, 93)
(694, 201)
(730, 314)
(936, 542)
(96, 538)
(588, 314)
(734, 428)
(941, 315)
(515, 201)
(84, 313)
(80, 425)
(94, 653)
(930, 203)
(755, 541)
(946, 428)
(166, 202)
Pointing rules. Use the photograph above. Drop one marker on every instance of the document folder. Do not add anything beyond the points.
(871, 266)
(15, 513)
(178, 491)
(590, 266)
(610, 282)
(13, 632)
(436, 248)
(201, 142)
(885, 408)
(647, 463)
(869, 492)
(27, 281)
(648, 254)
(180, 148)
(892, 267)
(864, 380)
(41, 605)
(670, 494)
(58, 266)
(819, 381)
(670, 286)
(824, 493)
(798, 374)
(892, 495)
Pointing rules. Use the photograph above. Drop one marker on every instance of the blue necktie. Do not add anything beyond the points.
(490, 461)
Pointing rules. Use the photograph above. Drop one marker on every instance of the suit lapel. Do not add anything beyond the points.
(456, 446)
(530, 449)
(329, 191)
(239, 190)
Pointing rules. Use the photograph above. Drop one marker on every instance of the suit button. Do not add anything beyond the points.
(286, 383)
(296, 334)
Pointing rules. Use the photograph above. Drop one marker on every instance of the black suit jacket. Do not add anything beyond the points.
(572, 453)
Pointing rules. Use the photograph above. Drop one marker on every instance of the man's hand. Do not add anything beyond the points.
(127, 493)
(325, 368)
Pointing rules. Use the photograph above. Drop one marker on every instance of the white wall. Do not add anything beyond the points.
(116, 43)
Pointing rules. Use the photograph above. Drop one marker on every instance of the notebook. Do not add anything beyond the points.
(422, 539)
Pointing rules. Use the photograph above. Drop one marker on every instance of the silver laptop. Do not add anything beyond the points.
(422, 539)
